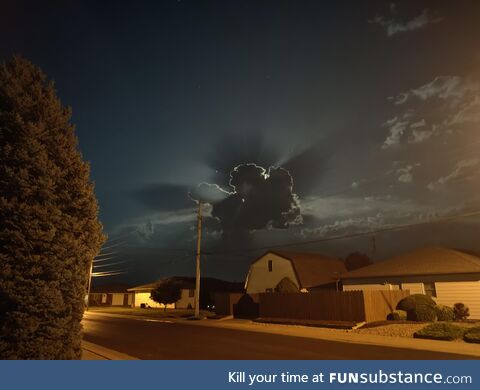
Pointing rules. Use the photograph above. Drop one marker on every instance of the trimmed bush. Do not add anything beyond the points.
(444, 313)
(414, 300)
(472, 335)
(397, 315)
(422, 313)
(440, 331)
(461, 311)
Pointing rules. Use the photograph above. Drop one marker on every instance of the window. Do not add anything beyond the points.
(270, 265)
(191, 292)
(430, 289)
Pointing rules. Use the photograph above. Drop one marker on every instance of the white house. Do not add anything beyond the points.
(110, 295)
(187, 300)
(447, 275)
(307, 271)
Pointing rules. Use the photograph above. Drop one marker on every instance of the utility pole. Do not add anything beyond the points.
(197, 275)
(89, 284)
(374, 246)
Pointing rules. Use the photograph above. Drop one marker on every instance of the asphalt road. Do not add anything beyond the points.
(163, 340)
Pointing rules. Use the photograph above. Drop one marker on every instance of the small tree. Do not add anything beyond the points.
(461, 311)
(166, 292)
(357, 260)
(286, 286)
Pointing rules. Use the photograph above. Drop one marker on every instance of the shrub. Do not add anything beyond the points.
(461, 311)
(440, 331)
(412, 301)
(444, 313)
(472, 335)
(422, 313)
(397, 315)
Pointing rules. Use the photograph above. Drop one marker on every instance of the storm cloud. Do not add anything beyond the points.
(261, 199)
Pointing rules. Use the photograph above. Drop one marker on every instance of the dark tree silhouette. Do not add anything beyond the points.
(357, 260)
(166, 292)
(48, 216)
(286, 286)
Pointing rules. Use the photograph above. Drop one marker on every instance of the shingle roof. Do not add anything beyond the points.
(313, 269)
(185, 282)
(423, 261)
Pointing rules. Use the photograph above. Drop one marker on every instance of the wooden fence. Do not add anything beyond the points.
(357, 306)
(379, 303)
(224, 302)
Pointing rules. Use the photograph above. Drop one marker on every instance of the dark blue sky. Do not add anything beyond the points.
(372, 108)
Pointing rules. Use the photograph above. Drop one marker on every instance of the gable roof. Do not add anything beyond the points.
(313, 269)
(420, 262)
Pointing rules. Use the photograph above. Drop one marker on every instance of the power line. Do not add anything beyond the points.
(113, 245)
(108, 265)
(353, 235)
(99, 274)
(106, 254)
(105, 259)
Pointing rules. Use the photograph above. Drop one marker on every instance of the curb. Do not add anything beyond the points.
(92, 351)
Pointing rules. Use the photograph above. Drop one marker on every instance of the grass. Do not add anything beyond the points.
(151, 312)
(472, 335)
(440, 331)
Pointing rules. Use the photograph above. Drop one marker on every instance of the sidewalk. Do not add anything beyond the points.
(92, 351)
(325, 334)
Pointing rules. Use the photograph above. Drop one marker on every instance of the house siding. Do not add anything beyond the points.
(260, 278)
(415, 288)
(117, 299)
(144, 297)
(182, 303)
(186, 300)
(449, 293)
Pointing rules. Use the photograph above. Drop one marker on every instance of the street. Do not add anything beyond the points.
(146, 339)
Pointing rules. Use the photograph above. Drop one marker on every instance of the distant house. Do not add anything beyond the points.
(208, 287)
(306, 271)
(187, 300)
(447, 275)
(110, 295)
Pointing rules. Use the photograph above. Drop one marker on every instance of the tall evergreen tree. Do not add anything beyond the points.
(49, 230)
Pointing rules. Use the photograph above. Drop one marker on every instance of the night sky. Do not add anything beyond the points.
(295, 120)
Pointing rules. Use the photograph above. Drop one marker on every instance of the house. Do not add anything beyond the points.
(187, 300)
(208, 288)
(447, 275)
(110, 295)
(301, 271)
